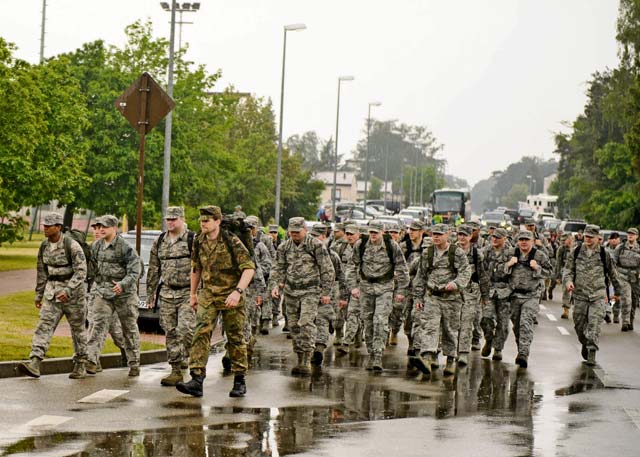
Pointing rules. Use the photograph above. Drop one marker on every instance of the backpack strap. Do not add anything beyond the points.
(387, 244)
(452, 257)
(603, 259)
(474, 254)
(227, 241)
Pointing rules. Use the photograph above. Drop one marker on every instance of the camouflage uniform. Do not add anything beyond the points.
(264, 260)
(496, 312)
(340, 247)
(327, 313)
(56, 275)
(306, 271)
(476, 292)
(117, 261)
(115, 329)
(353, 322)
(526, 285)
(411, 253)
(586, 273)
(562, 256)
(374, 276)
(219, 278)
(257, 287)
(627, 259)
(170, 265)
(441, 311)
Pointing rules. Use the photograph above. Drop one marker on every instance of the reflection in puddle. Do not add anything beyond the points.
(495, 390)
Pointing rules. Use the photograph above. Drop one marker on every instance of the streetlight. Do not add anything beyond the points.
(166, 172)
(287, 28)
(366, 161)
(529, 178)
(335, 165)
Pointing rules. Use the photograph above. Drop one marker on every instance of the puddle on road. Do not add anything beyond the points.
(500, 392)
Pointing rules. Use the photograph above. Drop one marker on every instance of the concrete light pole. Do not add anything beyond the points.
(335, 165)
(366, 161)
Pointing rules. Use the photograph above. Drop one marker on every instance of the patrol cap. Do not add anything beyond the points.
(339, 226)
(352, 229)
(614, 235)
(210, 212)
(375, 226)
(296, 224)
(592, 230)
(474, 225)
(440, 229)
(500, 233)
(395, 228)
(237, 207)
(565, 236)
(53, 219)
(525, 235)
(318, 229)
(250, 222)
(416, 225)
(632, 230)
(465, 230)
(108, 220)
(364, 229)
(273, 229)
(529, 221)
(174, 212)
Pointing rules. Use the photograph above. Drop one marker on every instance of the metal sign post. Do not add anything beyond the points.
(143, 104)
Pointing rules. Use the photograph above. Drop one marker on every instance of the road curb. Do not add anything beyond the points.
(65, 364)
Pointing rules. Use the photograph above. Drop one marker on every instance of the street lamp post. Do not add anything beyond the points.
(287, 28)
(335, 164)
(366, 160)
(529, 178)
(166, 172)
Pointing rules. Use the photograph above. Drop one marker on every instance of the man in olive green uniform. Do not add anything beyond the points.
(222, 264)
(304, 271)
(116, 287)
(61, 273)
(170, 268)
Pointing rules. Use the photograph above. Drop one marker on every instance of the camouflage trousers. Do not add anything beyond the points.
(271, 307)
(629, 300)
(326, 315)
(524, 309)
(495, 321)
(376, 307)
(587, 319)
(254, 311)
(178, 320)
(354, 321)
(233, 324)
(438, 315)
(396, 317)
(50, 315)
(340, 317)
(302, 311)
(115, 329)
(566, 298)
(468, 312)
(127, 311)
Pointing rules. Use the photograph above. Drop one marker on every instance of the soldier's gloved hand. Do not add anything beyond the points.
(275, 293)
(325, 299)
(38, 304)
(342, 304)
(570, 287)
(399, 298)
(355, 293)
(451, 286)
(117, 288)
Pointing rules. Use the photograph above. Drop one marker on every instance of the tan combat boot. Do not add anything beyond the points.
(32, 368)
(296, 369)
(393, 339)
(174, 377)
(565, 313)
(305, 367)
(78, 371)
(450, 367)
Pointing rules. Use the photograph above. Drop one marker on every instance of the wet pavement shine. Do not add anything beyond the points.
(557, 407)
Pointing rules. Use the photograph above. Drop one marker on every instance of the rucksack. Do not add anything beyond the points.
(474, 254)
(431, 252)
(364, 239)
(409, 245)
(228, 228)
(603, 259)
(81, 238)
(530, 256)
(190, 236)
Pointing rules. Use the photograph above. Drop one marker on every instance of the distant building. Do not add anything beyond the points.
(544, 203)
(346, 187)
(389, 195)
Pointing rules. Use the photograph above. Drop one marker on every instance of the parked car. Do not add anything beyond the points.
(551, 224)
(606, 233)
(146, 242)
(524, 214)
(541, 216)
(572, 226)
(496, 219)
(388, 220)
(409, 215)
(425, 210)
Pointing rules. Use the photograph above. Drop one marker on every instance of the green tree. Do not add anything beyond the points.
(374, 191)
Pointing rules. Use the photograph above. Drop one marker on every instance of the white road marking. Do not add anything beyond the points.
(634, 415)
(563, 331)
(103, 396)
(542, 307)
(552, 318)
(47, 421)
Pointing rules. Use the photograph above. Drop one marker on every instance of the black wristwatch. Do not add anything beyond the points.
(239, 290)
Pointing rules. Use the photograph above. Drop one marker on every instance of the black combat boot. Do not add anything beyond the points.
(239, 387)
(226, 363)
(486, 349)
(591, 357)
(193, 387)
(123, 358)
(264, 327)
(317, 358)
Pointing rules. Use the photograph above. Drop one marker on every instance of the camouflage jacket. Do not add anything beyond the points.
(268, 242)
(493, 261)
(435, 279)
(376, 264)
(303, 267)
(117, 261)
(340, 282)
(263, 258)
(219, 275)
(586, 273)
(53, 266)
(562, 254)
(481, 284)
(627, 259)
(169, 262)
(523, 279)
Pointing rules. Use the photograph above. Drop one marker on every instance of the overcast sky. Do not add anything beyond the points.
(493, 79)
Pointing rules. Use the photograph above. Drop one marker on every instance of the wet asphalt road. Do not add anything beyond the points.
(558, 407)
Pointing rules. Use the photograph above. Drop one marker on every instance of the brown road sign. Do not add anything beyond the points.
(158, 103)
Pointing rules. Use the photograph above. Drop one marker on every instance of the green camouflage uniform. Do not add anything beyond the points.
(170, 263)
(627, 259)
(119, 262)
(56, 275)
(441, 311)
(307, 274)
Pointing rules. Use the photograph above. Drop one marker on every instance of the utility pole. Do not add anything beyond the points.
(166, 171)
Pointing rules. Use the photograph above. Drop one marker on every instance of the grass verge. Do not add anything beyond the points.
(18, 320)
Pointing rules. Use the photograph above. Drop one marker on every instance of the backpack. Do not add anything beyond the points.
(364, 239)
(474, 275)
(228, 228)
(530, 256)
(603, 259)
(409, 245)
(81, 238)
(190, 236)
(431, 252)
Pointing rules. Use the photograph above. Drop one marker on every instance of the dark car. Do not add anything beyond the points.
(524, 214)
(146, 242)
